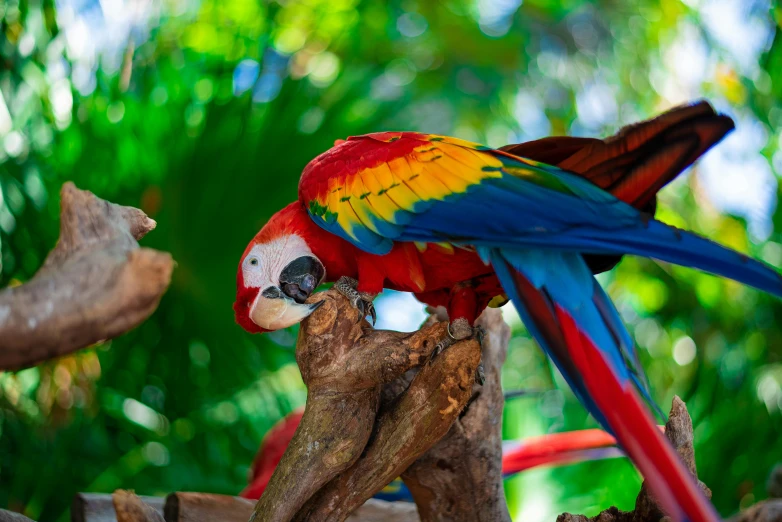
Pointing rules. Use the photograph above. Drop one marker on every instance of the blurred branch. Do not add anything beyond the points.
(765, 511)
(10, 516)
(96, 284)
(130, 508)
(678, 429)
(96, 507)
(207, 507)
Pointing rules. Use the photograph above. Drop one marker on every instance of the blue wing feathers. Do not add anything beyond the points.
(510, 213)
(547, 339)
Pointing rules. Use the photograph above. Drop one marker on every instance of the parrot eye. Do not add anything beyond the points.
(254, 261)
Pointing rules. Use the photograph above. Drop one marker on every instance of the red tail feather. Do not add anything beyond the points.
(559, 448)
(672, 484)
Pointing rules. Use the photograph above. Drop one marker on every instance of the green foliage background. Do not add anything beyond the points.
(158, 121)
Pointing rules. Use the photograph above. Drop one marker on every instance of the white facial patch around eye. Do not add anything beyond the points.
(272, 258)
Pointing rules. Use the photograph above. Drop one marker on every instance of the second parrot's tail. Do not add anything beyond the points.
(557, 449)
(570, 316)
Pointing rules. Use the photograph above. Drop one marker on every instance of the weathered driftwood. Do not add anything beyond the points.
(406, 430)
(416, 410)
(96, 283)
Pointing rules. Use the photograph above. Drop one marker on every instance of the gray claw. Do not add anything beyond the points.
(480, 376)
(480, 334)
(439, 347)
(359, 304)
(361, 301)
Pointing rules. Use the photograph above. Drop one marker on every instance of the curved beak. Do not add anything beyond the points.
(281, 306)
(272, 310)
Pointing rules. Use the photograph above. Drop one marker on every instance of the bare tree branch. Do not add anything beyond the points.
(412, 425)
(96, 284)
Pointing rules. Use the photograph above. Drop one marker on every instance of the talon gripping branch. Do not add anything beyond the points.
(466, 226)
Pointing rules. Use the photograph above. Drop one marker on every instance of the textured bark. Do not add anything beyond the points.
(344, 363)
(96, 284)
(130, 508)
(460, 478)
(407, 429)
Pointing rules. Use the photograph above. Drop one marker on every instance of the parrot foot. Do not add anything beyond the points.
(459, 330)
(362, 301)
(480, 334)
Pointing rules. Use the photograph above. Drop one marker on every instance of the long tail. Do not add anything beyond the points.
(576, 324)
(666, 243)
(656, 240)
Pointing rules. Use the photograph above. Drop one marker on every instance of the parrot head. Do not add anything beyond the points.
(277, 273)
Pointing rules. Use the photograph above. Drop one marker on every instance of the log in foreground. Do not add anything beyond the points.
(97, 507)
(96, 284)
(130, 508)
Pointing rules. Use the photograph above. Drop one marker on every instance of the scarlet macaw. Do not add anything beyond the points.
(545, 450)
(465, 226)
